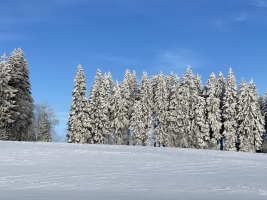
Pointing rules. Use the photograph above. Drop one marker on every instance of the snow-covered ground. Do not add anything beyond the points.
(72, 171)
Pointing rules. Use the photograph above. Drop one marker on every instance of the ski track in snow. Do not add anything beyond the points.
(75, 171)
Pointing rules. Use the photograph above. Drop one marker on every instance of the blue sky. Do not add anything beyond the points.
(150, 35)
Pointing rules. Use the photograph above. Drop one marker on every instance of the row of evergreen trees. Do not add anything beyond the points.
(20, 119)
(168, 111)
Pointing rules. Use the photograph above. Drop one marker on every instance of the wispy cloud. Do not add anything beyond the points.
(223, 22)
(168, 60)
(260, 3)
(179, 59)
(239, 18)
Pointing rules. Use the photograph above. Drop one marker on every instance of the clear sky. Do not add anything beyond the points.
(149, 35)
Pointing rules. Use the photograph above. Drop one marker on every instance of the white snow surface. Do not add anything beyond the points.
(82, 171)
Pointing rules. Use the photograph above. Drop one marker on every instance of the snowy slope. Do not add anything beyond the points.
(73, 171)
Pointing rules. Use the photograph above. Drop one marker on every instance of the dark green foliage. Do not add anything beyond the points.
(16, 101)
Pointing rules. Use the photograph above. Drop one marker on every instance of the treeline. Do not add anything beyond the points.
(20, 118)
(168, 112)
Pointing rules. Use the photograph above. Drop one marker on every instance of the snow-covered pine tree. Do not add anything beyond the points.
(229, 113)
(106, 95)
(250, 121)
(141, 122)
(161, 105)
(199, 126)
(171, 81)
(134, 87)
(221, 86)
(179, 114)
(43, 132)
(261, 102)
(137, 125)
(198, 84)
(243, 132)
(264, 110)
(134, 95)
(119, 115)
(173, 111)
(78, 119)
(191, 90)
(129, 92)
(22, 127)
(7, 104)
(213, 111)
(98, 110)
(221, 91)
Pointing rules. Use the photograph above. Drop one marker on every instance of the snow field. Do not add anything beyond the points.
(76, 171)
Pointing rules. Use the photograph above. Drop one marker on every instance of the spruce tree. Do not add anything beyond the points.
(261, 102)
(221, 91)
(229, 113)
(213, 111)
(191, 90)
(264, 110)
(119, 116)
(141, 122)
(161, 105)
(134, 87)
(179, 114)
(7, 104)
(99, 106)
(221, 86)
(43, 132)
(22, 127)
(97, 111)
(78, 119)
(199, 125)
(137, 125)
(250, 121)
(174, 110)
(106, 95)
(129, 93)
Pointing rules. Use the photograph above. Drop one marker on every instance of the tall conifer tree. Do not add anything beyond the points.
(221, 91)
(264, 110)
(129, 93)
(141, 122)
(98, 110)
(191, 90)
(161, 105)
(7, 94)
(199, 125)
(106, 96)
(213, 111)
(22, 127)
(250, 121)
(230, 112)
(78, 119)
(174, 111)
(119, 116)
